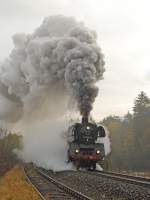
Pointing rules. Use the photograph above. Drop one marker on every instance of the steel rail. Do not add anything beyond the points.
(28, 179)
(136, 180)
(126, 175)
(65, 188)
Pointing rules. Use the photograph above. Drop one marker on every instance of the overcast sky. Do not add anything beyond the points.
(123, 30)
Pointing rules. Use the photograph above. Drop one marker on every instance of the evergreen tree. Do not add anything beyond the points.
(130, 137)
(141, 104)
(141, 128)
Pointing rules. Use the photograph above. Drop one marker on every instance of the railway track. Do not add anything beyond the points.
(102, 185)
(49, 188)
(136, 180)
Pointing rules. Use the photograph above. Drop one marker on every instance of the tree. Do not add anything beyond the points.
(141, 128)
(130, 137)
(9, 142)
(141, 104)
(115, 128)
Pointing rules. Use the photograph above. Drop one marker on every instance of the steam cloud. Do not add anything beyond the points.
(59, 61)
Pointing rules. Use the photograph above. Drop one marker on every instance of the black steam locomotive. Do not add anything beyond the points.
(84, 149)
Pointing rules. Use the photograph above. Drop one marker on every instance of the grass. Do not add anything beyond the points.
(13, 186)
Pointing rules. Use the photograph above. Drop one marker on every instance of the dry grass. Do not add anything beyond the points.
(13, 186)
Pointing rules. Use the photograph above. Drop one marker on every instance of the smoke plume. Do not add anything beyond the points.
(59, 61)
(47, 71)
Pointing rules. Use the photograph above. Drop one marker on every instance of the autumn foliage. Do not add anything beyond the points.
(130, 137)
(10, 143)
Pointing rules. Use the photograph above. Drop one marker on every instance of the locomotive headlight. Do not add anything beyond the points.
(87, 127)
(98, 151)
(77, 150)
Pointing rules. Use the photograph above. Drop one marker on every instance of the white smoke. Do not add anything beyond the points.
(106, 142)
(59, 63)
(45, 145)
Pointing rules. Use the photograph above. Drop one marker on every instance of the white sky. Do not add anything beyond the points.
(123, 30)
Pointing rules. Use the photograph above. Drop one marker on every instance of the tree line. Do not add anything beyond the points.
(130, 137)
(9, 143)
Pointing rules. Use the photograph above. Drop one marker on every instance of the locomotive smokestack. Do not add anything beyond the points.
(84, 119)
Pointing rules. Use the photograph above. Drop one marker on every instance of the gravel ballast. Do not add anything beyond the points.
(98, 187)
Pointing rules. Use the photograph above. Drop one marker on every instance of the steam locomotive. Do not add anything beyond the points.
(84, 149)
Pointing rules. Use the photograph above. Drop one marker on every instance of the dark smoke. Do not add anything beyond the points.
(60, 59)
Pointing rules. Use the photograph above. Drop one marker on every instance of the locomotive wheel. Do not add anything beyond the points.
(77, 165)
(94, 166)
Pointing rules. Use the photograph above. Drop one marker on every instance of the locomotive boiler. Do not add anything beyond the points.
(85, 150)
